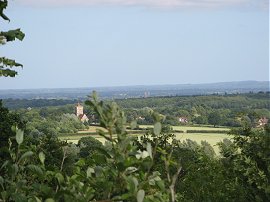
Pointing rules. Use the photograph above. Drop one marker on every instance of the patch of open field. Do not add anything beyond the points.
(91, 129)
(185, 128)
(211, 138)
(75, 138)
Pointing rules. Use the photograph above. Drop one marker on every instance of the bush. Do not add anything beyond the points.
(88, 146)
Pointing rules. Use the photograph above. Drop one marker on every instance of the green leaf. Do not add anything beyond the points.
(4, 165)
(49, 200)
(14, 127)
(98, 171)
(37, 199)
(41, 157)
(157, 128)
(19, 136)
(126, 196)
(130, 170)
(35, 169)
(149, 149)
(161, 185)
(4, 16)
(11, 35)
(132, 184)
(15, 169)
(59, 178)
(25, 155)
(140, 195)
(4, 195)
(144, 154)
(8, 73)
(2, 181)
(89, 172)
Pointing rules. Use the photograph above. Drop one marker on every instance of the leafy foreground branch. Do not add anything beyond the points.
(7, 65)
(119, 171)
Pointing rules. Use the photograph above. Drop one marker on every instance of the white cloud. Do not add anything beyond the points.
(150, 3)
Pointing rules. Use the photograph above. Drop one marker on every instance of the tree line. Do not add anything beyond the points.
(226, 110)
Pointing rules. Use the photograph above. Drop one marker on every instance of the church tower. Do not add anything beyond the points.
(79, 110)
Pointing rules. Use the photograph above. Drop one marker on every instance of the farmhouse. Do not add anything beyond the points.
(79, 113)
(183, 119)
(141, 118)
(262, 122)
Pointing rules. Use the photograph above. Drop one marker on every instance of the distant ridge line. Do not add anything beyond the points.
(138, 90)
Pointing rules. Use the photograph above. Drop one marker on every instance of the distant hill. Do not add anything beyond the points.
(139, 91)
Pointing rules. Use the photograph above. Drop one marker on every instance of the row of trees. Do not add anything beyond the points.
(51, 120)
(196, 109)
(201, 113)
(228, 110)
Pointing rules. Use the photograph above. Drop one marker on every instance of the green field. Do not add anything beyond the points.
(211, 138)
(92, 129)
(185, 128)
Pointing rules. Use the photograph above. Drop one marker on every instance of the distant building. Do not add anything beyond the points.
(79, 113)
(262, 122)
(146, 94)
(141, 118)
(183, 119)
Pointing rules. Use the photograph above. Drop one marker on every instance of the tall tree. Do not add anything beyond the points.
(215, 118)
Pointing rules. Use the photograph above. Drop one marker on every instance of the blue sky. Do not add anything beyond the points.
(88, 43)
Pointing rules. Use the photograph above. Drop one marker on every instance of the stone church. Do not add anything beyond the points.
(79, 113)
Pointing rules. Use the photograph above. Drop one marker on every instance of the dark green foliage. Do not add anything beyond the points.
(248, 160)
(215, 119)
(3, 6)
(7, 121)
(52, 147)
(210, 109)
(51, 120)
(200, 120)
(88, 146)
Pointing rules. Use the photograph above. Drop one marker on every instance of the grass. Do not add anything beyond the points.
(91, 129)
(185, 128)
(211, 138)
(75, 138)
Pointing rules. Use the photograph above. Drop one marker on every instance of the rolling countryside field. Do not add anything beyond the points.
(211, 138)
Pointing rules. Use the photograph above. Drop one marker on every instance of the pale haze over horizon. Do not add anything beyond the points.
(90, 43)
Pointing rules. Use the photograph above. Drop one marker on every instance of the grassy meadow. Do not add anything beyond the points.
(211, 138)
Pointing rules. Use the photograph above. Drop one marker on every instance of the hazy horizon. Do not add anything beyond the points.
(74, 44)
(138, 85)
